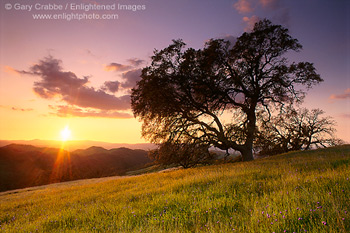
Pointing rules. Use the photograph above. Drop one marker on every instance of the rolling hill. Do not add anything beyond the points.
(306, 191)
(24, 165)
(77, 144)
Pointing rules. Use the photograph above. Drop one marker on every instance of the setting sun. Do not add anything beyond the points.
(65, 134)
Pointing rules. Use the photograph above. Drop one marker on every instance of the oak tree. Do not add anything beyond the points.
(212, 95)
(296, 129)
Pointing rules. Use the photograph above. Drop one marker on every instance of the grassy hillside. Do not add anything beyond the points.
(294, 192)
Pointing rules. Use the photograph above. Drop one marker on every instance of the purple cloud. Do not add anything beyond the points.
(112, 86)
(243, 6)
(117, 67)
(250, 22)
(22, 109)
(67, 87)
(135, 62)
(249, 8)
(69, 111)
(17, 109)
(345, 115)
(130, 78)
(345, 95)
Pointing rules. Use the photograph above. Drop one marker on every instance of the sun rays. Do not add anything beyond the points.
(62, 166)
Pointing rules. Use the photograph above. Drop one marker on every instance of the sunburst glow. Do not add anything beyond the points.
(65, 134)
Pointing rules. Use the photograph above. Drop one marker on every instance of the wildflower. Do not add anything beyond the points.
(324, 222)
(300, 218)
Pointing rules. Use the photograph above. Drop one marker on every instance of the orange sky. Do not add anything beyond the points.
(55, 73)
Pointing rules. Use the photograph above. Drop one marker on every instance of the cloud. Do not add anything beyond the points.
(278, 13)
(90, 53)
(132, 64)
(22, 109)
(130, 78)
(117, 67)
(112, 86)
(71, 111)
(10, 70)
(345, 115)
(269, 3)
(250, 22)
(88, 97)
(17, 109)
(67, 87)
(243, 6)
(345, 95)
(136, 62)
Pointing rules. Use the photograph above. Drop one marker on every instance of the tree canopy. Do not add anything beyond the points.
(213, 95)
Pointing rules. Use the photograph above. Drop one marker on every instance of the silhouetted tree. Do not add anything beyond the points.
(294, 129)
(184, 154)
(188, 94)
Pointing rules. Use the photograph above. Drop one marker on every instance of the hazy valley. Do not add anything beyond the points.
(25, 165)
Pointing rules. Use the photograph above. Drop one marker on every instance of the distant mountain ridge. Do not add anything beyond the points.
(26, 165)
(77, 144)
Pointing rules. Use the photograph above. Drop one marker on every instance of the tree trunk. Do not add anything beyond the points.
(247, 154)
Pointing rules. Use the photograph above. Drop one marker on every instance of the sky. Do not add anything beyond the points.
(75, 66)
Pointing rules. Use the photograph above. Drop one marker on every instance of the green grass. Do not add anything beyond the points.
(295, 192)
